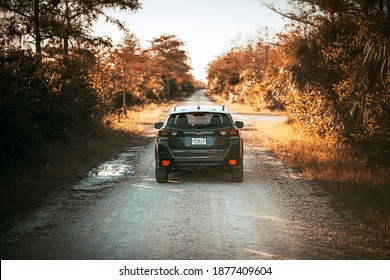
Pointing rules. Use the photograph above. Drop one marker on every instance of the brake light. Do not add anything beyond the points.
(165, 162)
(231, 133)
(233, 162)
(165, 134)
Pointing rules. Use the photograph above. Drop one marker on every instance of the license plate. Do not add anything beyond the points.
(199, 141)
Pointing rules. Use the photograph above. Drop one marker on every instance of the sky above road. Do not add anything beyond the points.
(208, 27)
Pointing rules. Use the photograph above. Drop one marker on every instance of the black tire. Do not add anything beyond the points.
(161, 175)
(238, 174)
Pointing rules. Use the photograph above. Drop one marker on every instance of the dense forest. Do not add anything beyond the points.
(329, 70)
(57, 78)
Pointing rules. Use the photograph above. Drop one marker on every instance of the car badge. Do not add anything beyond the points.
(199, 133)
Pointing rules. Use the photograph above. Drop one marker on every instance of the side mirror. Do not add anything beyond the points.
(239, 124)
(158, 125)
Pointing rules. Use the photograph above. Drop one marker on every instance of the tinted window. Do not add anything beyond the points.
(199, 120)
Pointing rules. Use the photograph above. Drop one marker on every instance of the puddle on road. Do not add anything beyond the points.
(113, 171)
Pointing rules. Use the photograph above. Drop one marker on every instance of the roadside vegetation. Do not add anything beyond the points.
(329, 71)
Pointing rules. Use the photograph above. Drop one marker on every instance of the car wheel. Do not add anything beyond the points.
(161, 175)
(238, 174)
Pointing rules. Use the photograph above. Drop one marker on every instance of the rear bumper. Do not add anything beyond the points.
(199, 158)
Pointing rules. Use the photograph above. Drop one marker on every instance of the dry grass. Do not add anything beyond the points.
(319, 158)
(359, 185)
(140, 117)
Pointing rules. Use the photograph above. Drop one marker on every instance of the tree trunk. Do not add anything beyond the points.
(67, 28)
(37, 33)
(124, 88)
(167, 86)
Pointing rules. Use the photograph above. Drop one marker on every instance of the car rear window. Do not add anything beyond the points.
(199, 120)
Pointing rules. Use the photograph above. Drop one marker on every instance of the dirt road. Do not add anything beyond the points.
(119, 212)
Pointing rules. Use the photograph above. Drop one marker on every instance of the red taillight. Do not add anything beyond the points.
(165, 134)
(231, 133)
(165, 162)
(233, 162)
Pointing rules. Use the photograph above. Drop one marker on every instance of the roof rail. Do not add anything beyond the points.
(174, 107)
(223, 107)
